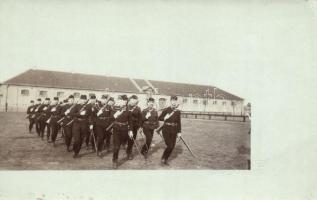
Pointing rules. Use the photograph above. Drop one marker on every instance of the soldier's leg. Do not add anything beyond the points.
(116, 145)
(130, 141)
(42, 128)
(77, 137)
(84, 130)
(100, 130)
(54, 132)
(108, 138)
(148, 140)
(37, 127)
(87, 140)
(68, 136)
(31, 124)
(92, 141)
(48, 132)
(169, 144)
(173, 136)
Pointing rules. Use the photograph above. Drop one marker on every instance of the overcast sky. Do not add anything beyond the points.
(237, 46)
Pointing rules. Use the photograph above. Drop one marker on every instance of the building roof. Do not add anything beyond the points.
(44, 78)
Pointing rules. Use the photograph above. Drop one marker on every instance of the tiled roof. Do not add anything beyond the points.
(44, 78)
(184, 89)
(73, 80)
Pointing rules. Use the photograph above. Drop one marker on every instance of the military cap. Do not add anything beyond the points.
(65, 101)
(93, 97)
(174, 98)
(47, 98)
(56, 98)
(83, 96)
(151, 99)
(31, 101)
(134, 97)
(123, 97)
(39, 99)
(111, 99)
(104, 96)
(71, 96)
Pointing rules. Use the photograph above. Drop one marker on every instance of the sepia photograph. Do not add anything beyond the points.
(160, 99)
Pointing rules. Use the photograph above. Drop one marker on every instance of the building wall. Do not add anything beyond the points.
(18, 99)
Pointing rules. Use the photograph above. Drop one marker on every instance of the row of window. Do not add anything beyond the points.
(43, 93)
(195, 101)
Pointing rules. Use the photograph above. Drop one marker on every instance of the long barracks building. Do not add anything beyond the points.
(16, 93)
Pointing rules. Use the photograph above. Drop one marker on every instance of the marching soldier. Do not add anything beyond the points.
(104, 118)
(66, 123)
(55, 116)
(110, 104)
(121, 128)
(91, 118)
(81, 114)
(37, 111)
(30, 113)
(136, 119)
(171, 128)
(150, 123)
(44, 116)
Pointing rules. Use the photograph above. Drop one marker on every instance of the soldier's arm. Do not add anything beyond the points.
(179, 125)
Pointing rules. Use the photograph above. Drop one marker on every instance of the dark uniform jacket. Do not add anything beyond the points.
(152, 121)
(82, 113)
(105, 118)
(30, 110)
(124, 120)
(136, 116)
(56, 112)
(174, 121)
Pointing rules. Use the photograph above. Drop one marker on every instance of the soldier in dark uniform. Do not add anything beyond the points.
(150, 123)
(37, 113)
(44, 115)
(136, 119)
(66, 123)
(121, 127)
(110, 104)
(92, 118)
(30, 112)
(80, 129)
(104, 118)
(55, 116)
(171, 129)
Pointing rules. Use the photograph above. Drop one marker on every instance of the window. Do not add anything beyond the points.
(60, 94)
(76, 95)
(233, 103)
(43, 93)
(224, 103)
(214, 102)
(205, 102)
(25, 92)
(195, 101)
(91, 94)
(185, 100)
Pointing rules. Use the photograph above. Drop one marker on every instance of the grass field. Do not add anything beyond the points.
(217, 144)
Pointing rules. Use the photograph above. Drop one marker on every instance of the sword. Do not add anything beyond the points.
(182, 139)
(70, 122)
(136, 146)
(93, 137)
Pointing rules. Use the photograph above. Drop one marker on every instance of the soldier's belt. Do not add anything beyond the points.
(104, 117)
(121, 124)
(170, 124)
(151, 123)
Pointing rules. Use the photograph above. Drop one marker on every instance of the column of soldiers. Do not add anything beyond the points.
(95, 122)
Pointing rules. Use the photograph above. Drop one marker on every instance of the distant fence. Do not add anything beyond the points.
(214, 116)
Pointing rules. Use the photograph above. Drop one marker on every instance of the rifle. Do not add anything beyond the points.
(110, 127)
(59, 121)
(49, 119)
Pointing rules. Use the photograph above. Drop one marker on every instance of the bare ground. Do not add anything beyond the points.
(217, 145)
